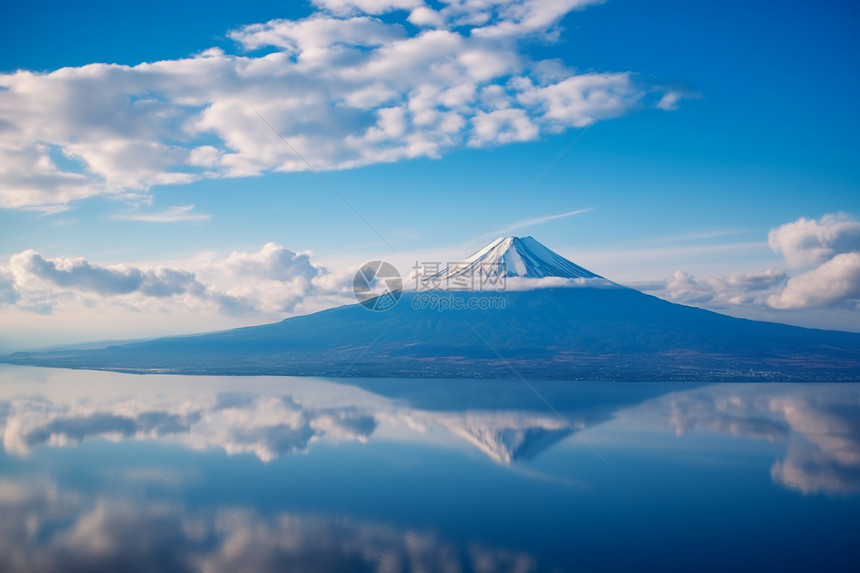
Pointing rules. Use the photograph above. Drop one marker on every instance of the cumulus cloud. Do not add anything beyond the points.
(736, 289)
(345, 87)
(834, 283)
(81, 275)
(829, 245)
(273, 261)
(276, 279)
(809, 242)
(8, 293)
(519, 17)
(489, 17)
(832, 243)
(424, 16)
(581, 100)
(271, 280)
(502, 125)
(375, 7)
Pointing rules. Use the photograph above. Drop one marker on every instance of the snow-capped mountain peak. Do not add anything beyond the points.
(514, 257)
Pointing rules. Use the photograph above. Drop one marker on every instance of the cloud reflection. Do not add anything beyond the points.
(48, 529)
(264, 426)
(270, 418)
(267, 426)
(820, 422)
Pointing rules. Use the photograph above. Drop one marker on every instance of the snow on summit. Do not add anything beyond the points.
(520, 257)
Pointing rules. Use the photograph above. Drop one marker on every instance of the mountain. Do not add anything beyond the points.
(590, 330)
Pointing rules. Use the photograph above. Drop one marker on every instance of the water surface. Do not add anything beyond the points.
(119, 472)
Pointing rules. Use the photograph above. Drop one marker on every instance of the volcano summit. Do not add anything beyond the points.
(516, 257)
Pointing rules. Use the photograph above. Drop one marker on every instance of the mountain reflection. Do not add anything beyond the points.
(269, 426)
(272, 417)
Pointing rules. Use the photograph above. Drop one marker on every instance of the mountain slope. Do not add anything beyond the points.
(560, 333)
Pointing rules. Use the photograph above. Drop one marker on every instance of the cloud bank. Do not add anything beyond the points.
(271, 280)
(344, 86)
(823, 260)
(274, 282)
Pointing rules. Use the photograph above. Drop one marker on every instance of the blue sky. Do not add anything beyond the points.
(709, 149)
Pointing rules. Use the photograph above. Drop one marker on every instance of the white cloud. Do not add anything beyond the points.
(522, 283)
(275, 279)
(490, 17)
(78, 274)
(344, 87)
(367, 6)
(734, 290)
(832, 243)
(500, 18)
(834, 283)
(503, 126)
(8, 293)
(808, 242)
(424, 16)
(312, 37)
(669, 101)
(270, 281)
(271, 262)
(581, 100)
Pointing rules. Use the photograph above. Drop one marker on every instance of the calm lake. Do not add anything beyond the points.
(117, 472)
